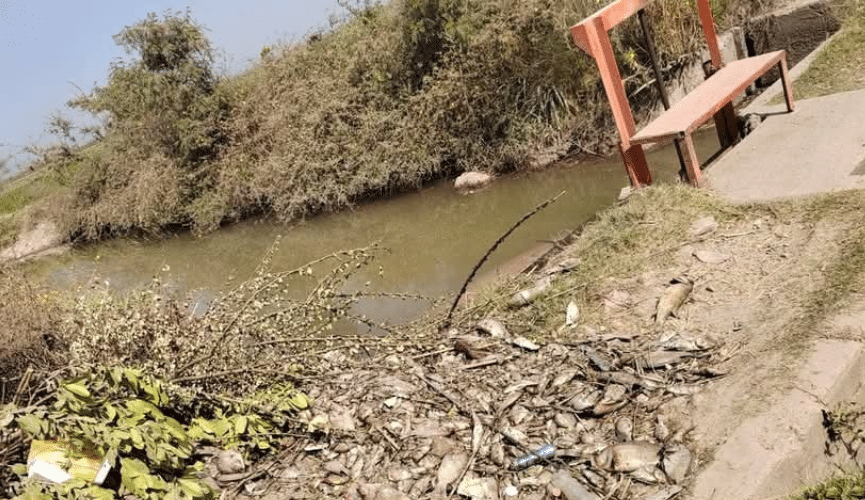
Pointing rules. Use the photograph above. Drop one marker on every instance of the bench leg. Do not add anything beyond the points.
(691, 162)
(785, 81)
(636, 165)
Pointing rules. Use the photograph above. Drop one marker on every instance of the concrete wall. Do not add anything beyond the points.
(798, 29)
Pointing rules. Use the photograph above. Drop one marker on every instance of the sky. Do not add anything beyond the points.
(48, 47)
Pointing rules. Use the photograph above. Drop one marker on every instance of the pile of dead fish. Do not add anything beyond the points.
(492, 415)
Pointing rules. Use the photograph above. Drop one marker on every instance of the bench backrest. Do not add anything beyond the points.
(592, 36)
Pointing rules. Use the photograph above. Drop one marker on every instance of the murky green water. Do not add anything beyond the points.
(435, 236)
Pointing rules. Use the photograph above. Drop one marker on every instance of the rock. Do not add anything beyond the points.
(230, 462)
(703, 226)
(479, 489)
(470, 181)
(510, 491)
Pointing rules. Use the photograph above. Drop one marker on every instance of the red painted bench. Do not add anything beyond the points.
(708, 98)
(712, 98)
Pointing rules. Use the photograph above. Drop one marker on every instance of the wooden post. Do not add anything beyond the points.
(726, 123)
(599, 46)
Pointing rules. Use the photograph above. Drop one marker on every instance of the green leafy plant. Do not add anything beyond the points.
(128, 417)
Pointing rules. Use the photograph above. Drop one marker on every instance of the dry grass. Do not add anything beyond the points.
(28, 321)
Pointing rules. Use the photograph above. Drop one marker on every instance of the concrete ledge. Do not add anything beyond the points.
(818, 148)
(782, 450)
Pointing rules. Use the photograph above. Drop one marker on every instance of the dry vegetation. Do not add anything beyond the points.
(790, 266)
(395, 95)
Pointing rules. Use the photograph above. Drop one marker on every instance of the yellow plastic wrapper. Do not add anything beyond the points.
(58, 462)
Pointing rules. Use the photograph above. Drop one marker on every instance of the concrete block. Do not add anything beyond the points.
(782, 450)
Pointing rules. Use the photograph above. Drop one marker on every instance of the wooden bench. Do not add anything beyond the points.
(708, 98)
(713, 98)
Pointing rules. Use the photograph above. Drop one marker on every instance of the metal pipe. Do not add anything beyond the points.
(659, 79)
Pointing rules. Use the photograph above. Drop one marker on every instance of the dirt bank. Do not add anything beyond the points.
(766, 282)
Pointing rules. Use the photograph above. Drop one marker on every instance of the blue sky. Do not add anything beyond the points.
(45, 45)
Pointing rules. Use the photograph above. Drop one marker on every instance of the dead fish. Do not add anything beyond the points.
(649, 475)
(675, 341)
(564, 266)
(703, 226)
(614, 398)
(597, 358)
(525, 344)
(634, 455)
(660, 359)
(564, 377)
(674, 296)
(515, 436)
(603, 459)
(450, 469)
(684, 389)
(527, 296)
(594, 478)
(710, 372)
(584, 400)
(711, 257)
(519, 386)
(477, 433)
(661, 430)
(492, 327)
(622, 378)
(572, 314)
(677, 464)
(624, 428)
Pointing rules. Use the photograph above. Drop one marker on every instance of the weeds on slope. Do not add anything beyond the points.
(395, 95)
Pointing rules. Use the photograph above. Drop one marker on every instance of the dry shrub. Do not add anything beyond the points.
(247, 340)
(396, 95)
(29, 318)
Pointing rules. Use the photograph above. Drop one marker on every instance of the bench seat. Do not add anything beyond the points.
(708, 98)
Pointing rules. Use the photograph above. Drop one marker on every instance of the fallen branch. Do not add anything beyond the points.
(492, 249)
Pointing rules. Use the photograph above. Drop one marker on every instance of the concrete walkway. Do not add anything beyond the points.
(820, 147)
